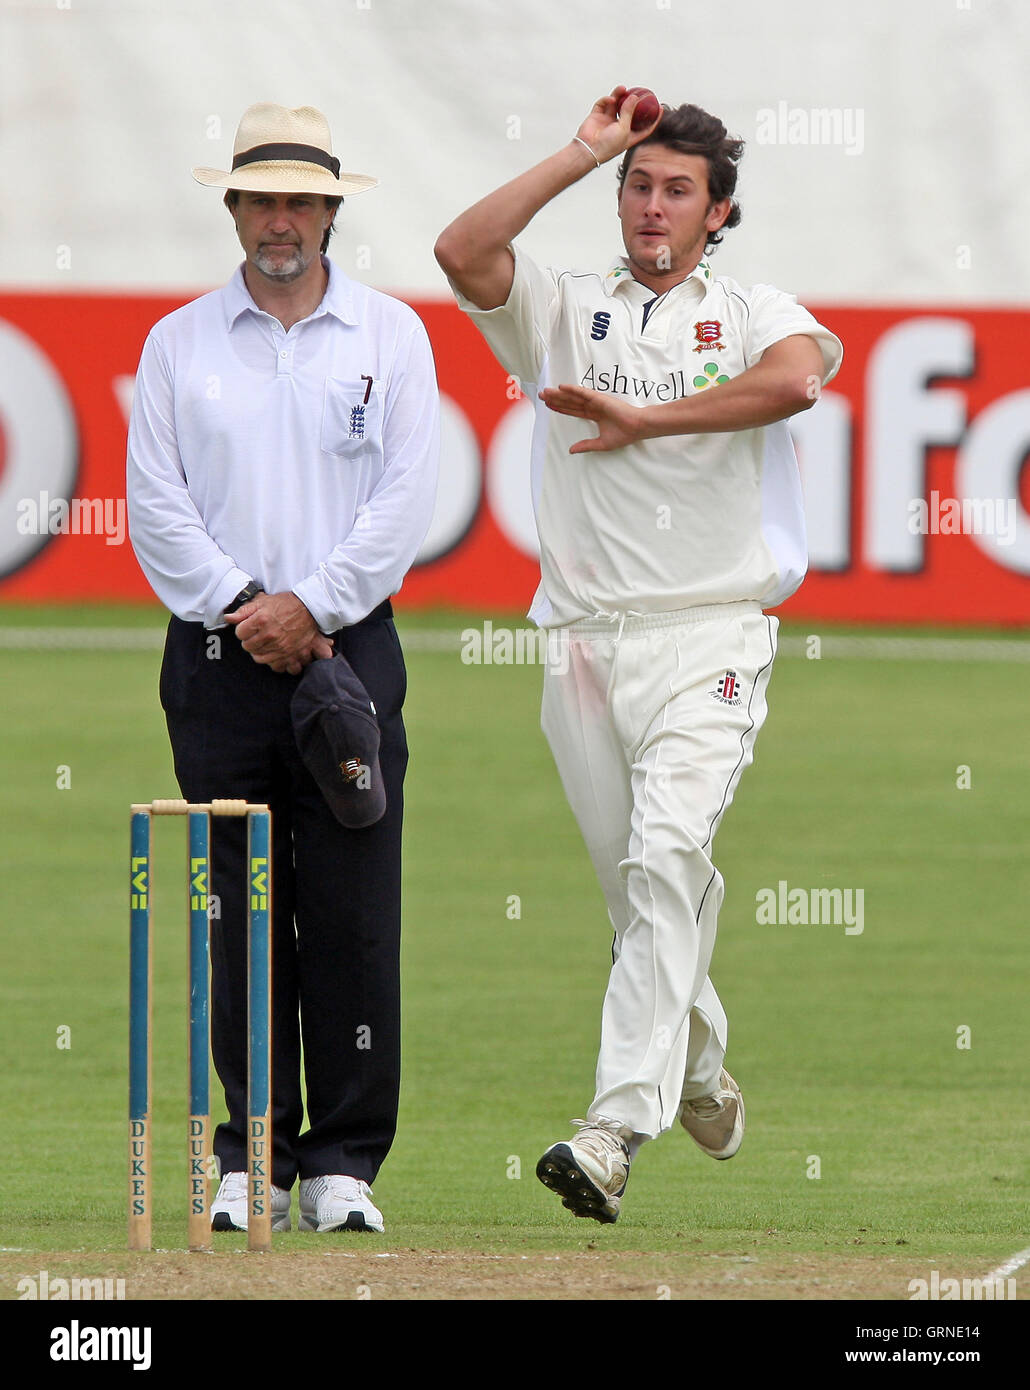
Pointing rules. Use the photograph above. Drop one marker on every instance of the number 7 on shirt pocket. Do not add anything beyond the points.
(352, 427)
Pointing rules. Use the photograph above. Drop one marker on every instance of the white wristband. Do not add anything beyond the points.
(589, 150)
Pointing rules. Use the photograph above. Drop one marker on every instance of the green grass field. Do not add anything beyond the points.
(846, 1046)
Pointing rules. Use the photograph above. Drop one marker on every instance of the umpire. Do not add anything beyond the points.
(281, 476)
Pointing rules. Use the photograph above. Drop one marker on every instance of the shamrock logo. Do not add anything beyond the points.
(712, 376)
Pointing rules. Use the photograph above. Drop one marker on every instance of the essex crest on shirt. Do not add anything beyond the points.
(708, 332)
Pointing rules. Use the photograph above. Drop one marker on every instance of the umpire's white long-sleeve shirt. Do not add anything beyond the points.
(257, 453)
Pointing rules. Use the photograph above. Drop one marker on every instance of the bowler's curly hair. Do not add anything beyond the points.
(690, 130)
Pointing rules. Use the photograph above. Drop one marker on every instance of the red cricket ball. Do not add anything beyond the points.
(649, 108)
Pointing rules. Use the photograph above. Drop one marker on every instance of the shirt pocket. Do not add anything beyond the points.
(352, 427)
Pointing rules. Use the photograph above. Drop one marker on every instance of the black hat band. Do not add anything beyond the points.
(305, 154)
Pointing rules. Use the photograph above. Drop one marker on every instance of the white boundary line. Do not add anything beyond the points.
(1010, 1266)
(890, 648)
(832, 647)
(110, 639)
(911, 648)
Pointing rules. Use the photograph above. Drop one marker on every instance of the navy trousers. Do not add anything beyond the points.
(335, 897)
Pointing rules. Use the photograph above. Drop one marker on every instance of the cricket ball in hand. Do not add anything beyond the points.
(649, 108)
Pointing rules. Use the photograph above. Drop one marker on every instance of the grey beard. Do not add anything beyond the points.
(283, 272)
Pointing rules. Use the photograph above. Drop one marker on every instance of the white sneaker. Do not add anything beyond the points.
(716, 1122)
(335, 1203)
(230, 1207)
(589, 1173)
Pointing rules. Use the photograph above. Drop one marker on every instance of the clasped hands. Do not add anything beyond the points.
(278, 631)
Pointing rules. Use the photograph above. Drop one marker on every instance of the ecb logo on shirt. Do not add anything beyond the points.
(599, 328)
(357, 422)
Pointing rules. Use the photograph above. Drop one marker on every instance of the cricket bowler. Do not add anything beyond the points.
(669, 511)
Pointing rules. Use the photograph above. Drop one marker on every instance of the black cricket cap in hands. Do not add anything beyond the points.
(337, 733)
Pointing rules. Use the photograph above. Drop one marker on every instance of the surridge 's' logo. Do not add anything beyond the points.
(599, 327)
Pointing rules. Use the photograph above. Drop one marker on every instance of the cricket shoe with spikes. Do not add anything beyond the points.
(589, 1172)
(231, 1206)
(716, 1122)
(337, 1203)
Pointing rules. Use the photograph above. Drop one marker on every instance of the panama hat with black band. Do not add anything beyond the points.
(279, 150)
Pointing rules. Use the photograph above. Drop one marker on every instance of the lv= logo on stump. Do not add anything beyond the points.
(259, 1024)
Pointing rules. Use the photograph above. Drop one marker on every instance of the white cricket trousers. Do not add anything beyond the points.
(652, 720)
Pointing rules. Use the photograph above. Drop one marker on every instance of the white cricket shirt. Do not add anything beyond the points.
(304, 459)
(670, 523)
